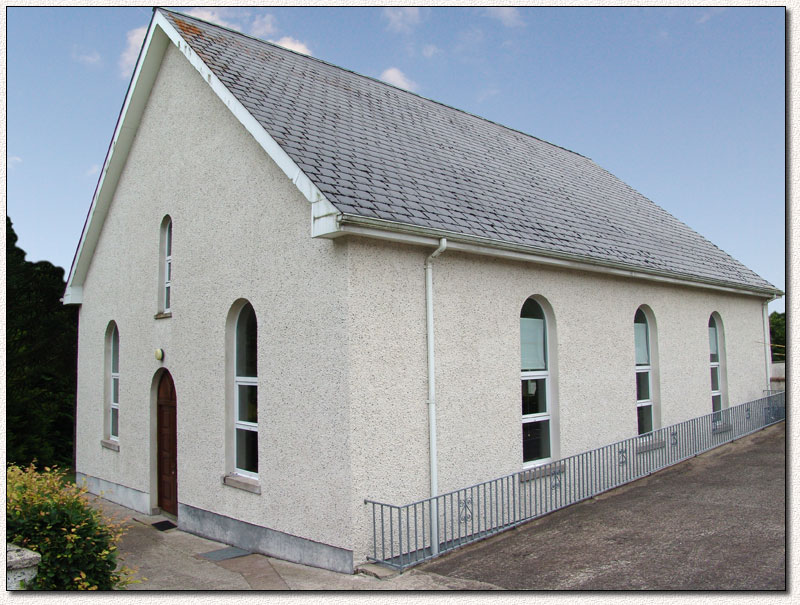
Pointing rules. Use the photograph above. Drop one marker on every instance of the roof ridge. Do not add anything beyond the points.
(355, 73)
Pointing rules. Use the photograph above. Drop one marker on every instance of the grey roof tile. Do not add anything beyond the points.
(379, 151)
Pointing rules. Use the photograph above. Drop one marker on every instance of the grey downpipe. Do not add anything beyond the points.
(434, 472)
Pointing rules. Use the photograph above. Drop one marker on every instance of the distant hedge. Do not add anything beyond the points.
(78, 545)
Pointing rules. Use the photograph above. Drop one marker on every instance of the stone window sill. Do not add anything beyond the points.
(245, 483)
(546, 470)
(110, 445)
(649, 447)
(166, 315)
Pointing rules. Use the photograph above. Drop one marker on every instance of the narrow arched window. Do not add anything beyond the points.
(112, 355)
(245, 398)
(716, 360)
(536, 410)
(644, 383)
(166, 265)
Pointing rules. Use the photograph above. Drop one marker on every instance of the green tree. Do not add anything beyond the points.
(41, 361)
(777, 335)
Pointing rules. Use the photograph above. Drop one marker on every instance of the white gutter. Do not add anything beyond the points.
(432, 392)
(413, 234)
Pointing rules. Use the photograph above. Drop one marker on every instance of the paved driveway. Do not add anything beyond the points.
(715, 522)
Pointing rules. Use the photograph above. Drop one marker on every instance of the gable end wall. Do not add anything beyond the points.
(240, 230)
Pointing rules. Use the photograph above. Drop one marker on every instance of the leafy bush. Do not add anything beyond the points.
(48, 515)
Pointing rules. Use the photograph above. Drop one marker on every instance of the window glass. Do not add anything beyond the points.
(535, 440)
(645, 418)
(169, 238)
(532, 339)
(247, 450)
(712, 340)
(114, 422)
(642, 386)
(115, 351)
(534, 396)
(714, 378)
(246, 338)
(248, 399)
(642, 339)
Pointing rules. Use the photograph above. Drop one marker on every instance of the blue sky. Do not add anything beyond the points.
(686, 105)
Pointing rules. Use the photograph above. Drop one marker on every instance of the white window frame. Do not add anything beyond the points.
(546, 416)
(166, 291)
(541, 416)
(237, 422)
(716, 365)
(642, 369)
(113, 379)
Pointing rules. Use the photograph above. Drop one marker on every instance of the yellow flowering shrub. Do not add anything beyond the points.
(77, 543)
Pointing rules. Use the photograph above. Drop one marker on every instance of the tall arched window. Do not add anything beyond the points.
(245, 398)
(112, 355)
(644, 397)
(716, 356)
(166, 265)
(536, 407)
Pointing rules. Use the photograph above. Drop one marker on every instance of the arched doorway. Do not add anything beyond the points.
(167, 448)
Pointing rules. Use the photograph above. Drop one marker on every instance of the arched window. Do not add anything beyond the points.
(717, 355)
(644, 384)
(536, 398)
(166, 265)
(245, 398)
(112, 377)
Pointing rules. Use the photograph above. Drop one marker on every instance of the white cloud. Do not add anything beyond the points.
(469, 40)
(507, 15)
(429, 50)
(93, 170)
(402, 19)
(487, 93)
(398, 78)
(13, 160)
(293, 44)
(712, 12)
(263, 26)
(220, 16)
(88, 58)
(127, 60)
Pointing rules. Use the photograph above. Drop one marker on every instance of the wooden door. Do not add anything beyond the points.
(167, 445)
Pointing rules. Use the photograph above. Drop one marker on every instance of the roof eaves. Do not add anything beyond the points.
(495, 247)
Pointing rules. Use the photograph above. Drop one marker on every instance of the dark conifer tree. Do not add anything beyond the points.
(41, 361)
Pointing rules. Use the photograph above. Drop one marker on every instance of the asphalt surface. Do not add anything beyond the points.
(714, 522)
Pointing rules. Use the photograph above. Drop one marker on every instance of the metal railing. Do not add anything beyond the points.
(406, 535)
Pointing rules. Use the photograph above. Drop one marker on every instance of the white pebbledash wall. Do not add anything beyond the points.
(240, 230)
(341, 334)
(477, 302)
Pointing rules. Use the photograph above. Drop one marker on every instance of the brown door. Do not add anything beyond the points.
(167, 446)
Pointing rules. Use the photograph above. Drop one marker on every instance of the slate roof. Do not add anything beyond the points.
(375, 150)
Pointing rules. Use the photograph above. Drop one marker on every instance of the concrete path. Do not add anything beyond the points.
(170, 560)
(714, 522)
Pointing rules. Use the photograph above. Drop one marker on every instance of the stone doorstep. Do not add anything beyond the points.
(257, 572)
